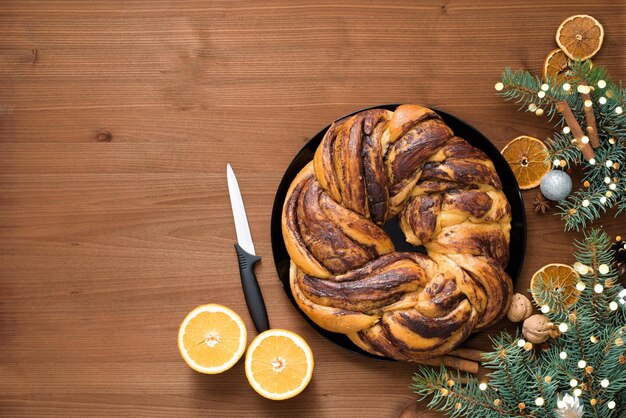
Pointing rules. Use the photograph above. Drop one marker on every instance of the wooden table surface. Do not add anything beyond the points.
(117, 120)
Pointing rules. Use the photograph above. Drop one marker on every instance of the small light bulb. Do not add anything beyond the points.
(618, 110)
(580, 286)
(545, 309)
(593, 339)
(584, 139)
(577, 392)
(563, 328)
(580, 88)
(607, 180)
(545, 87)
(608, 193)
(601, 84)
(612, 141)
(532, 107)
(566, 129)
(603, 200)
(603, 269)
(539, 401)
(613, 306)
(592, 161)
(567, 86)
(562, 354)
(521, 342)
(499, 86)
(541, 94)
(598, 288)
(577, 265)
(588, 103)
(539, 112)
(556, 162)
(611, 405)
(573, 383)
(582, 364)
(482, 386)
(609, 163)
(612, 186)
(583, 269)
(602, 100)
(604, 383)
(585, 203)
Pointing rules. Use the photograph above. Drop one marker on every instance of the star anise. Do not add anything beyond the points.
(541, 203)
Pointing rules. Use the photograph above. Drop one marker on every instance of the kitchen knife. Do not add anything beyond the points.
(246, 256)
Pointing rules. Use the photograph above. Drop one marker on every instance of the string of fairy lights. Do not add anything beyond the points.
(577, 384)
(611, 181)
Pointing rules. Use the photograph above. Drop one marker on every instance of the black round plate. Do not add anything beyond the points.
(517, 245)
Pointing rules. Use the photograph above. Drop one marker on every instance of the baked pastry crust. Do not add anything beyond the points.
(345, 274)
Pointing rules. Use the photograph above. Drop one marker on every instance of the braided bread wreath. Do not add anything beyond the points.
(345, 274)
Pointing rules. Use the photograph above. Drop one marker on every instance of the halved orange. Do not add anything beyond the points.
(555, 65)
(528, 158)
(580, 37)
(555, 278)
(212, 338)
(279, 364)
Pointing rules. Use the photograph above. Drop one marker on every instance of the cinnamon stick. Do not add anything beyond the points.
(468, 354)
(592, 130)
(575, 129)
(450, 361)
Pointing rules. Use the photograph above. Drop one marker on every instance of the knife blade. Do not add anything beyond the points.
(246, 255)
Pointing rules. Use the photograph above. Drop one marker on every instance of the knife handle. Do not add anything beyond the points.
(251, 289)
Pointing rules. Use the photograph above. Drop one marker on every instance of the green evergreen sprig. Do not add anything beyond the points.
(457, 400)
(609, 105)
(523, 89)
(588, 355)
(560, 147)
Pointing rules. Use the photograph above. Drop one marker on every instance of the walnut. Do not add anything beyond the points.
(538, 329)
(520, 309)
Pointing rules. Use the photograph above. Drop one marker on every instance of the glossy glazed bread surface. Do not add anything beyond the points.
(345, 274)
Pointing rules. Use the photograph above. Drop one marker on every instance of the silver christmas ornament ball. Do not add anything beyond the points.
(556, 185)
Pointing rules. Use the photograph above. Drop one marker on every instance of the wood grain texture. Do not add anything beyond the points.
(117, 119)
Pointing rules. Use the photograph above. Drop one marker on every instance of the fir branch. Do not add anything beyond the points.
(549, 290)
(584, 206)
(610, 351)
(584, 72)
(581, 208)
(503, 360)
(520, 377)
(561, 147)
(523, 88)
(428, 382)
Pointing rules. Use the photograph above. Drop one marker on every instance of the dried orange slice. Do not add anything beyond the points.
(279, 364)
(555, 65)
(528, 158)
(212, 338)
(580, 37)
(555, 278)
